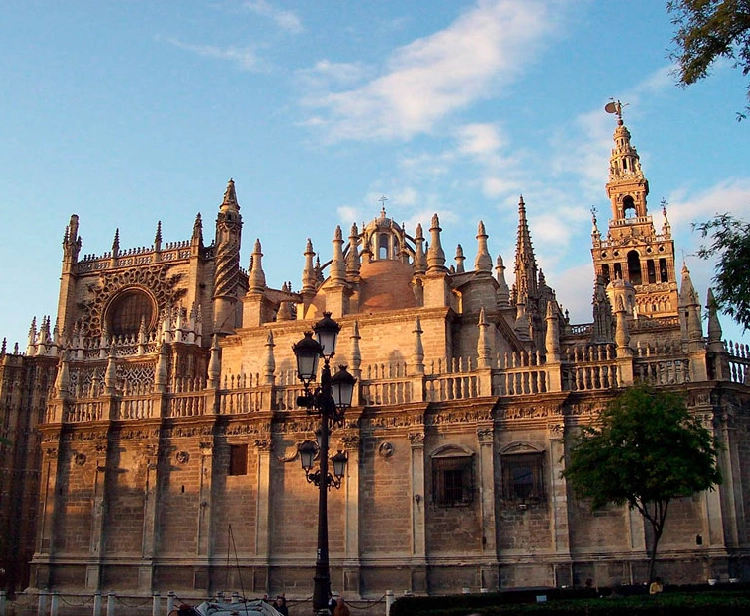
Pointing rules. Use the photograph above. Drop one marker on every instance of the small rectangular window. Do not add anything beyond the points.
(523, 479)
(238, 459)
(452, 481)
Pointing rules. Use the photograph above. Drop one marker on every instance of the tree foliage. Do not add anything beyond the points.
(730, 242)
(708, 30)
(647, 451)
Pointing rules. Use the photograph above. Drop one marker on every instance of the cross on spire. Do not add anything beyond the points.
(382, 200)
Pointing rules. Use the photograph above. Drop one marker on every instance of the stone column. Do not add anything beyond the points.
(48, 506)
(729, 464)
(263, 509)
(205, 482)
(419, 563)
(98, 517)
(486, 438)
(150, 499)
(558, 497)
(489, 572)
(351, 581)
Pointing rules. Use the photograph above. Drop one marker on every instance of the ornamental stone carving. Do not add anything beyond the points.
(385, 449)
(153, 280)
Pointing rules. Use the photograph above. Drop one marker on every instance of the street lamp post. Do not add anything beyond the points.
(329, 400)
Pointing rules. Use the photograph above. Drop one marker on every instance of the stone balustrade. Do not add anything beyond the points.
(581, 368)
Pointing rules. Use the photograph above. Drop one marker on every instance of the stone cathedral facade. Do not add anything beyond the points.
(151, 429)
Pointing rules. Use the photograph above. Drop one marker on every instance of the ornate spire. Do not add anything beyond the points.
(666, 228)
(256, 277)
(417, 358)
(309, 277)
(352, 258)
(198, 229)
(503, 293)
(355, 354)
(459, 259)
(690, 307)
(485, 348)
(525, 266)
(214, 363)
(435, 254)
(483, 261)
(116, 244)
(72, 242)
(602, 313)
(229, 203)
(158, 238)
(714, 327)
(269, 363)
(227, 260)
(622, 332)
(552, 339)
(338, 268)
(596, 236)
(420, 261)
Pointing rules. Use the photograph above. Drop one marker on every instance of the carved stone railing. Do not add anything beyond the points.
(139, 407)
(520, 381)
(739, 362)
(84, 411)
(589, 376)
(590, 367)
(387, 392)
(665, 370)
(236, 401)
(441, 388)
(185, 405)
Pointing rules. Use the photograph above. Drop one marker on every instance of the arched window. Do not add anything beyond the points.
(127, 310)
(634, 267)
(628, 207)
(382, 246)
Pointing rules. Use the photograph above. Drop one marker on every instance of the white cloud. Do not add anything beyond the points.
(729, 196)
(574, 288)
(471, 59)
(326, 74)
(482, 140)
(287, 20)
(244, 57)
(346, 213)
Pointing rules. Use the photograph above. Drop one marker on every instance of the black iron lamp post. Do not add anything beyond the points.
(329, 400)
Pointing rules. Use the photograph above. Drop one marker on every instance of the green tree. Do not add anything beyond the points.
(647, 450)
(708, 30)
(730, 242)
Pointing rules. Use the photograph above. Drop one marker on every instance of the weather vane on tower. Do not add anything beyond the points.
(615, 106)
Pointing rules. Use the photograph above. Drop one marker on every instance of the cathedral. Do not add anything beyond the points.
(151, 429)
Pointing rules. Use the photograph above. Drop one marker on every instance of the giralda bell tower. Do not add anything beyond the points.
(634, 261)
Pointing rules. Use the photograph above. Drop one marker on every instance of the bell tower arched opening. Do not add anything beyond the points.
(634, 268)
(628, 207)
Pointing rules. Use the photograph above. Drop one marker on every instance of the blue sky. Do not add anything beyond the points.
(128, 113)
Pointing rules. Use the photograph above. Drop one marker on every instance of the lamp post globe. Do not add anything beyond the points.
(342, 388)
(327, 330)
